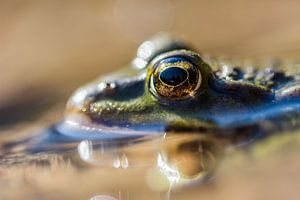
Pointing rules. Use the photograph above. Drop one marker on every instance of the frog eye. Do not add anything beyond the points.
(175, 78)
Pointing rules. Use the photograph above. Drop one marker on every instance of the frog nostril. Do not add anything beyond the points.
(109, 88)
(173, 76)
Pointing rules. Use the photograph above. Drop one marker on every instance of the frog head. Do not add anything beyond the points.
(168, 86)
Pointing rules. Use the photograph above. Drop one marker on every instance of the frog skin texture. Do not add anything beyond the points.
(201, 94)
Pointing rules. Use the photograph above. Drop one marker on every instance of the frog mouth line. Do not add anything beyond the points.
(263, 122)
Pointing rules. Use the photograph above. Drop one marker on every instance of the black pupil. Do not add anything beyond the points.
(173, 76)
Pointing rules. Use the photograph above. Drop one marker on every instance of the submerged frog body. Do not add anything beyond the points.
(169, 86)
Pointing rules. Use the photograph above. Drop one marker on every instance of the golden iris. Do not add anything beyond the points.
(175, 77)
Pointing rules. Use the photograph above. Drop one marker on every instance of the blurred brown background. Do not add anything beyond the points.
(48, 48)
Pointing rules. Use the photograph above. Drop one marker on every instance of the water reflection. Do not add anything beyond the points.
(101, 156)
(130, 168)
(181, 158)
(191, 160)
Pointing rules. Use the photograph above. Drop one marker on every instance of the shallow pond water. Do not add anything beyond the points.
(170, 165)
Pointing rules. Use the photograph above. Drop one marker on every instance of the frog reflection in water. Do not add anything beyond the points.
(170, 87)
(181, 158)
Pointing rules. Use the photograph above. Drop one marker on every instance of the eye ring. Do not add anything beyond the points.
(177, 75)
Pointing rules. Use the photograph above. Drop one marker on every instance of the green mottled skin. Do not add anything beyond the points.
(125, 96)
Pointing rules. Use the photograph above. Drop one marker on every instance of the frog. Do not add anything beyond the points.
(201, 107)
(169, 86)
